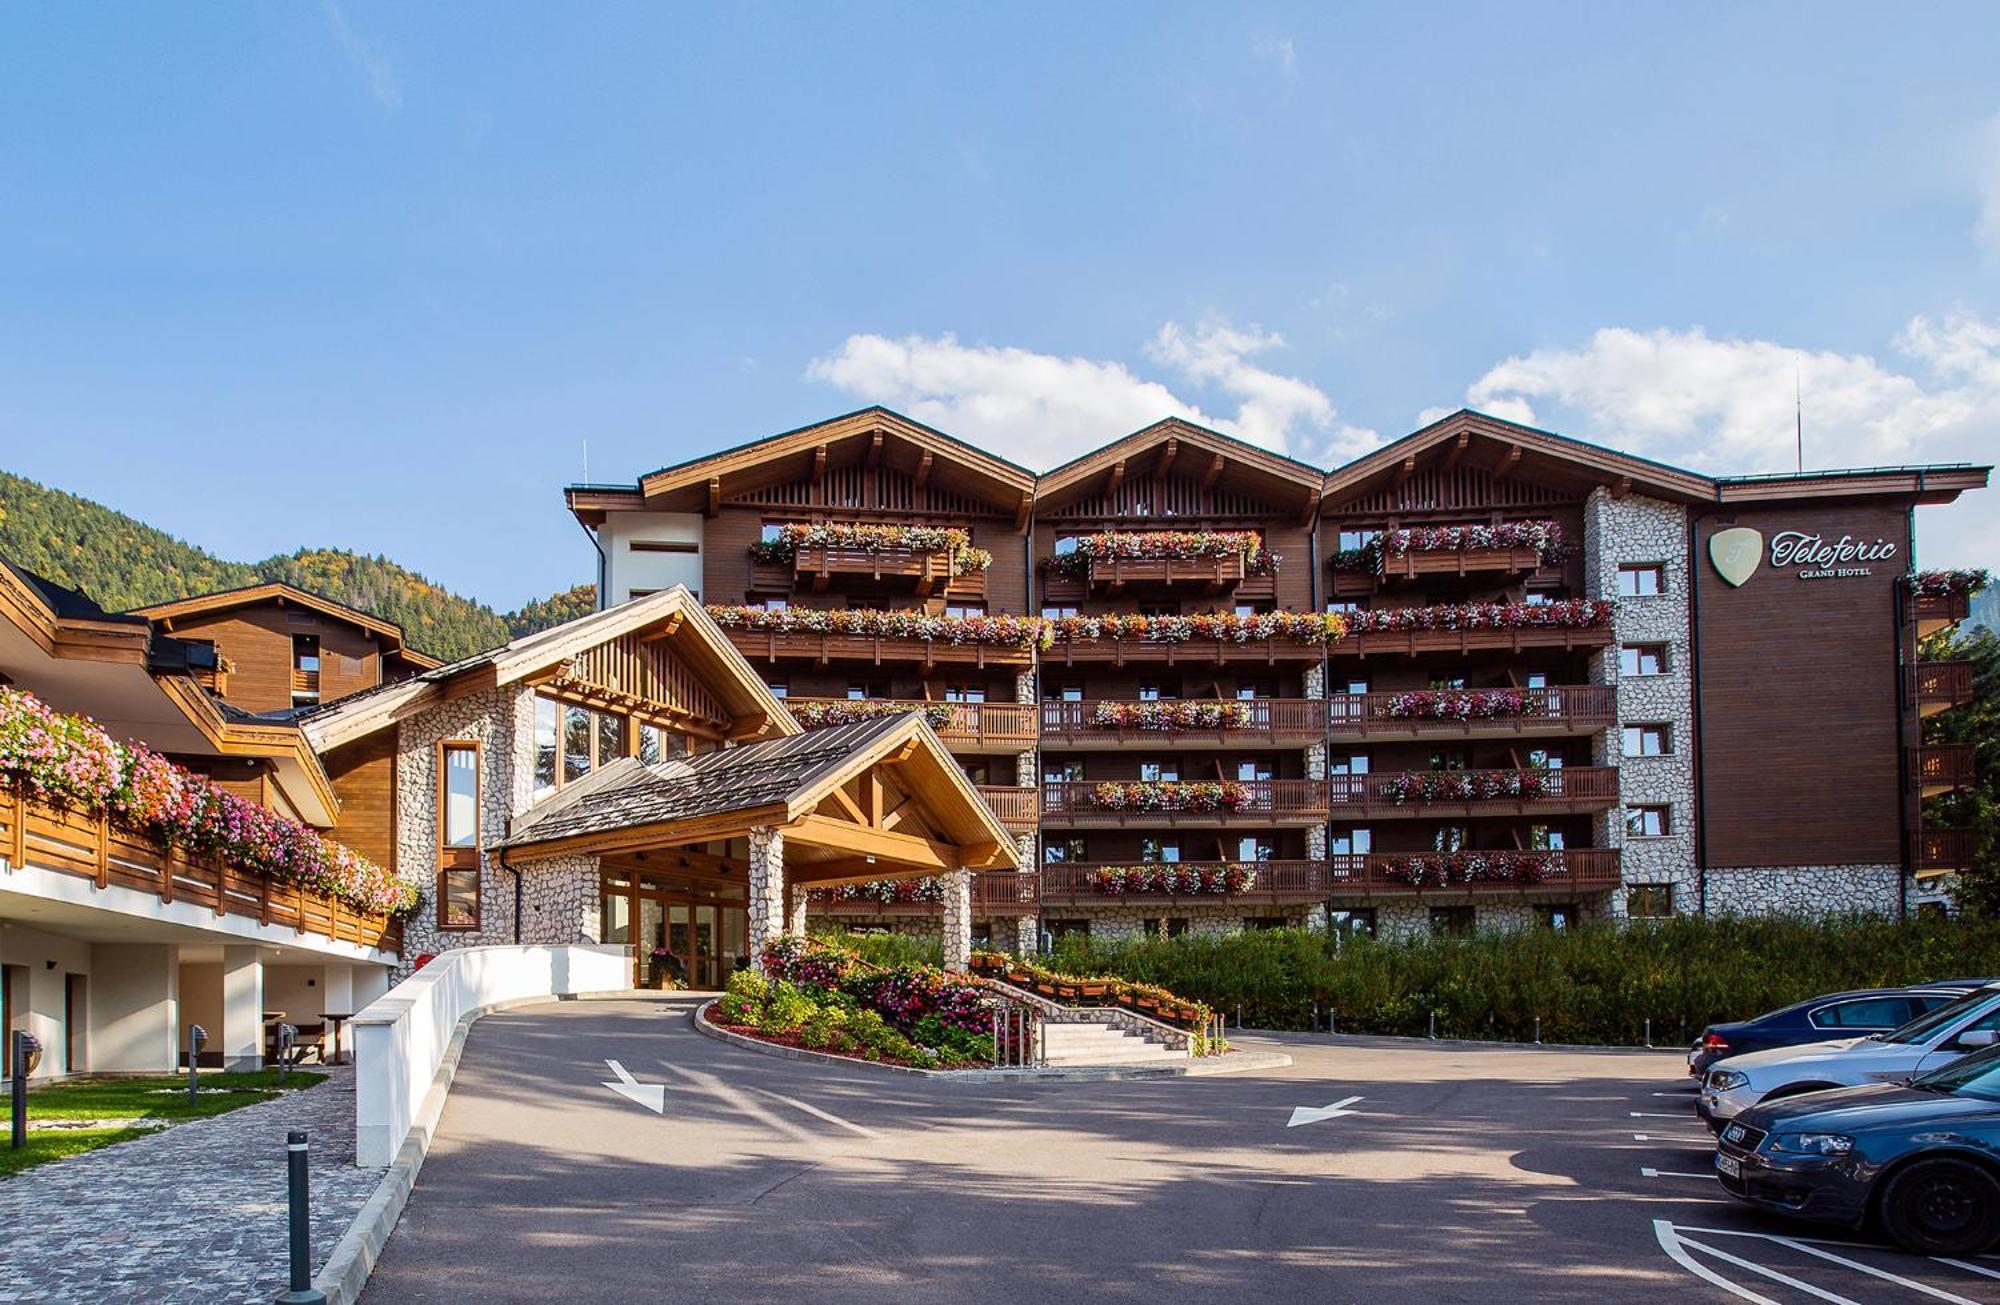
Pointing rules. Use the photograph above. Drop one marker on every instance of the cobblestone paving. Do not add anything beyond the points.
(194, 1215)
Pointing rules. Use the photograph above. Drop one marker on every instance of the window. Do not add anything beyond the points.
(1539, 598)
(1257, 608)
(1254, 692)
(779, 689)
(1350, 540)
(1356, 686)
(547, 712)
(653, 744)
(1160, 851)
(1261, 923)
(1452, 921)
(1867, 1013)
(1447, 681)
(770, 605)
(1064, 851)
(1252, 848)
(458, 835)
(1556, 915)
(1450, 838)
(1253, 770)
(576, 743)
(965, 609)
(1649, 901)
(770, 531)
(1351, 922)
(1176, 925)
(965, 693)
(305, 653)
(1647, 740)
(1152, 693)
(863, 692)
(1448, 759)
(610, 738)
(1063, 928)
(1543, 759)
(1157, 772)
(1543, 838)
(1343, 606)
(1646, 822)
(1642, 580)
(1642, 659)
(1062, 772)
(1059, 612)
(634, 595)
(1351, 763)
(1065, 545)
(1352, 841)
(1536, 680)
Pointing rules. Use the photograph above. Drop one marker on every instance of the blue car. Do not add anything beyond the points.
(1835, 1015)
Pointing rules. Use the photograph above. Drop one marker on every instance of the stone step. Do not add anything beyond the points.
(1101, 1044)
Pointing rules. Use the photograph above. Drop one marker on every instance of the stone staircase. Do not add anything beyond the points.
(1092, 1043)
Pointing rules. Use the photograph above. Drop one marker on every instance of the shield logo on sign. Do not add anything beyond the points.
(1736, 552)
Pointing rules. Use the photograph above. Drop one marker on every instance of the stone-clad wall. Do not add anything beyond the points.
(1806, 890)
(1632, 530)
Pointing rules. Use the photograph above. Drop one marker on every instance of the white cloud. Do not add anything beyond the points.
(383, 87)
(1040, 410)
(1727, 406)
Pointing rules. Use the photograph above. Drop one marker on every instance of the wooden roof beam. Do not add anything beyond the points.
(1214, 472)
(1117, 479)
(1168, 455)
(1404, 471)
(1021, 511)
(923, 470)
(874, 450)
(819, 464)
(714, 497)
(1458, 448)
(1509, 464)
(1621, 487)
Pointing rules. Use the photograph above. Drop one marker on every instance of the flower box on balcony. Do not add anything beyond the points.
(1113, 559)
(1207, 636)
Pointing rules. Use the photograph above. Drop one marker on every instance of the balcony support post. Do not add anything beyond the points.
(958, 920)
(767, 889)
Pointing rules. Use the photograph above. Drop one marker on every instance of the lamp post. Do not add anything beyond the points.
(27, 1054)
(197, 1035)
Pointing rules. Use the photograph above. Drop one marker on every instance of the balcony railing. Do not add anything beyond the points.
(973, 726)
(994, 892)
(1065, 651)
(1941, 767)
(922, 572)
(68, 842)
(1934, 612)
(1940, 686)
(1568, 791)
(1264, 802)
(1270, 883)
(1570, 709)
(1577, 869)
(1019, 809)
(775, 645)
(1295, 721)
(1502, 639)
(1942, 849)
(1459, 562)
(304, 682)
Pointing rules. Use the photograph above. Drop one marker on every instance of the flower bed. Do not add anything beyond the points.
(1018, 632)
(1185, 880)
(1177, 545)
(955, 543)
(1171, 795)
(825, 715)
(885, 891)
(1461, 704)
(1945, 584)
(1570, 614)
(1170, 715)
(1099, 990)
(1439, 869)
(71, 762)
(1462, 785)
(1224, 627)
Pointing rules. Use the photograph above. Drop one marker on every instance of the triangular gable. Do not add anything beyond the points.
(1175, 459)
(225, 600)
(1549, 467)
(874, 453)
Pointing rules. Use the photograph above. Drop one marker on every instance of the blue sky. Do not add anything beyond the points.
(371, 275)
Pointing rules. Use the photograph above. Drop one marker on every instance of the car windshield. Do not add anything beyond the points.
(1923, 1027)
(1977, 1075)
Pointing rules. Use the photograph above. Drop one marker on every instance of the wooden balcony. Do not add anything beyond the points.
(1460, 562)
(1941, 767)
(1410, 643)
(33, 833)
(1190, 652)
(305, 683)
(973, 727)
(1277, 883)
(1019, 809)
(994, 892)
(1934, 612)
(1267, 802)
(795, 645)
(1552, 712)
(1573, 790)
(1574, 870)
(1940, 686)
(1270, 722)
(1934, 851)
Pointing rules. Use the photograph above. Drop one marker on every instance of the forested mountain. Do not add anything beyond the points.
(123, 563)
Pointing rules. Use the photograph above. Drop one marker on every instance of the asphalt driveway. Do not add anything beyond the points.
(1459, 1175)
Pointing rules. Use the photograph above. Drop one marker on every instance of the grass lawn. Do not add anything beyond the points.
(163, 1099)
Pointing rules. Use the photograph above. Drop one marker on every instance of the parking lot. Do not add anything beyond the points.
(1366, 1171)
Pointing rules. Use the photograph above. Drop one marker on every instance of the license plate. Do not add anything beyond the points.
(1728, 1166)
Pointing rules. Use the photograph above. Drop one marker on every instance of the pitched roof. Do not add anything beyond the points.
(276, 591)
(1227, 456)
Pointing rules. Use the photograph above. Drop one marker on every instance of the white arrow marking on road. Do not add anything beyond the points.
(1313, 1114)
(653, 1096)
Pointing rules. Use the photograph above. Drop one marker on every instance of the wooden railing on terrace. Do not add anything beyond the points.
(1266, 800)
(34, 833)
(1005, 725)
(1019, 809)
(774, 644)
(1274, 883)
(1940, 767)
(1459, 561)
(1269, 720)
(1567, 709)
(1934, 612)
(1572, 789)
(1577, 869)
(1503, 639)
(994, 892)
(1942, 849)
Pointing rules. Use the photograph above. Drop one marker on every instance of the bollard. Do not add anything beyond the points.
(287, 1035)
(1315, 1023)
(299, 1199)
(1538, 1030)
(1649, 1030)
(1434, 1026)
(25, 1050)
(1239, 1014)
(197, 1035)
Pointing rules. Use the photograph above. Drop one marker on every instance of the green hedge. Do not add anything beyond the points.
(1596, 984)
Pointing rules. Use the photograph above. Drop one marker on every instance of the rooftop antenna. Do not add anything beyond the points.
(1799, 416)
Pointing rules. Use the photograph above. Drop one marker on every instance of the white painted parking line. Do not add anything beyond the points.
(1969, 1268)
(1922, 1289)
(817, 1113)
(1671, 1173)
(1670, 1242)
(1640, 1114)
(1797, 1284)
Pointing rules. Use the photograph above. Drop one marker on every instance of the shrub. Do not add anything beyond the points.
(889, 950)
(743, 1003)
(787, 1009)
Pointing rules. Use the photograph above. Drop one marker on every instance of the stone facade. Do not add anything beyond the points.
(1411, 918)
(1806, 891)
(1631, 530)
(767, 888)
(1131, 919)
(957, 924)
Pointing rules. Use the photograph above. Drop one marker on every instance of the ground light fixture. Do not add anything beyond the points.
(197, 1035)
(27, 1055)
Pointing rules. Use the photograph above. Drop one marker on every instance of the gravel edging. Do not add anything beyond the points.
(1234, 1062)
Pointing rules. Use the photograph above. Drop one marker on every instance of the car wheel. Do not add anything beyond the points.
(1942, 1207)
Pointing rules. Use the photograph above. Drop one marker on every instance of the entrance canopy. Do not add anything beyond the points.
(877, 799)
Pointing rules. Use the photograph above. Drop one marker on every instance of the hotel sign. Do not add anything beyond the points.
(1736, 553)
